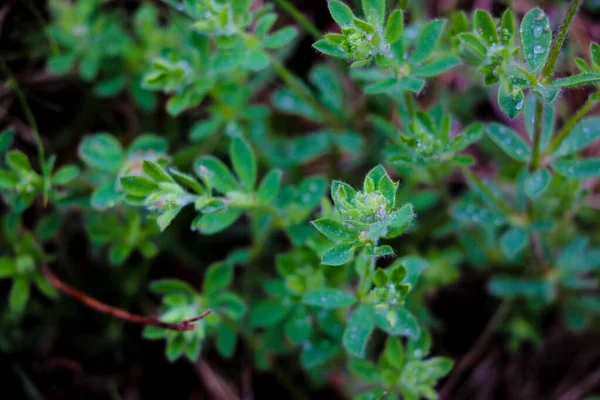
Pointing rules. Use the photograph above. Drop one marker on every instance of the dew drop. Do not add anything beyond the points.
(537, 49)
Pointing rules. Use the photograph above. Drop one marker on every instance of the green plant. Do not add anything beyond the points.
(338, 278)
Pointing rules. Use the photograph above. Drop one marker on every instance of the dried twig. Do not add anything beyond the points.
(185, 325)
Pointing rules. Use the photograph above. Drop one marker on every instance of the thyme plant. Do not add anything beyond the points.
(334, 187)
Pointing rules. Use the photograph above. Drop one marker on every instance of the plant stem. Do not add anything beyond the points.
(186, 325)
(559, 40)
(568, 127)
(409, 104)
(537, 134)
(300, 18)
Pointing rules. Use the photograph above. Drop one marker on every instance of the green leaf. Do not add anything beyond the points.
(6, 139)
(374, 8)
(269, 187)
(511, 103)
(8, 179)
(509, 141)
(217, 173)
(266, 314)
(484, 24)
(119, 252)
(582, 135)
(139, 186)
(359, 329)
(394, 27)
(401, 221)
(393, 84)
(579, 169)
(381, 251)
(218, 277)
(18, 162)
(513, 241)
(474, 43)
(101, 151)
(339, 254)
(229, 304)
(341, 13)
(507, 28)
(394, 352)
(204, 129)
(217, 221)
(147, 143)
(281, 38)
(583, 79)
(19, 293)
(327, 48)
(406, 324)
(65, 175)
(244, 162)
(226, 340)
(536, 183)
(436, 66)
(536, 38)
(298, 328)
(335, 230)
(156, 172)
(317, 353)
(106, 196)
(328, 298)
(427, 40)
(548, 121)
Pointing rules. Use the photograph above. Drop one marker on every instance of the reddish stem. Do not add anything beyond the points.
(185, 325)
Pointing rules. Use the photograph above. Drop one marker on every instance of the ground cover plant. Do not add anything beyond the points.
(366, 199)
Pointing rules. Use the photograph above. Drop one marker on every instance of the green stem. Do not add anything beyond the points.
(365, 280)
(532, 78)
(537, 135)
(568, 127)
(409, 105)
(300, 18)
(559, 40)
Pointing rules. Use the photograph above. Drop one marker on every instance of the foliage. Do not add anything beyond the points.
(339, 278)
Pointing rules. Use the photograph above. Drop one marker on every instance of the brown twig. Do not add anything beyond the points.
(185, 325)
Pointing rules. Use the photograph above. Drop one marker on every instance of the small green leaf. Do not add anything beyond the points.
(226, 340)
(437, 66)
(394, 352)
(474, 43)
(510, 102)
(381, 251)
(582, 135)
(244, 162)
(339, 254)
(204, 129)
(317, 353)
(537, 182)
(374, 8)
(101, 151)
(509, 141)
(328, 298)
(427, 40)
(406, 324)
(6, 139)
(281, 38)
(217, 221)
(139, 186)
(19, 293)
(595, 54)
(341, 13)
(18, 162)
(266, 314)
(513, 241)
(507, 28)
(269, 187)
(156, 172)
(486, 27)
(509, 287)
(394, 27)
(65, 175)
(359, 329)
(579, 169)
(106, 196)
(327, 48)
(536, 38)
(217, 173)
(583, 79)
(217, 278)
(335, 230)
(298, 328)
